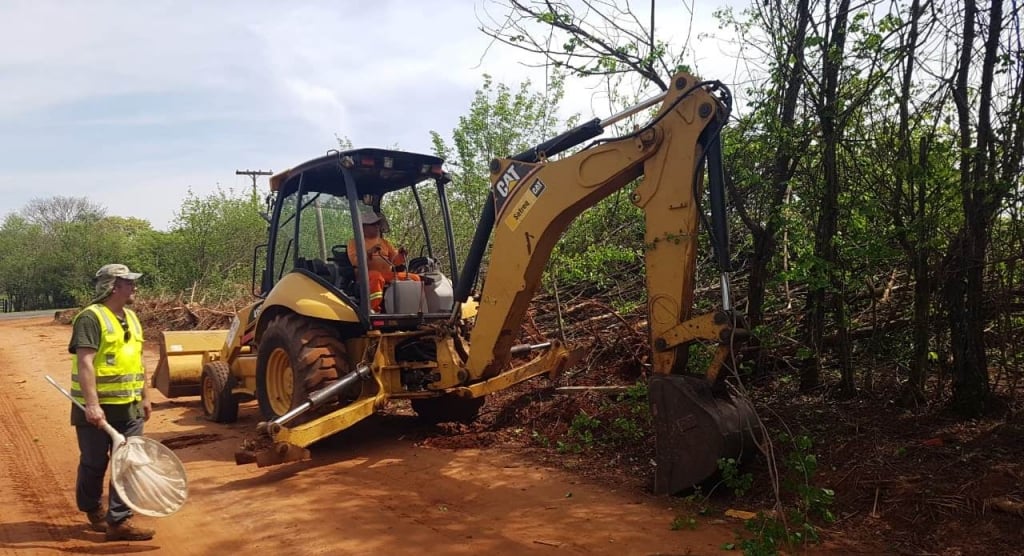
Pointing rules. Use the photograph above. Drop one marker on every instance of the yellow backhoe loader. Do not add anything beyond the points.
(319, 359)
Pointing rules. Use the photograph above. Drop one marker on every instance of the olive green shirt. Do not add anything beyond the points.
(87, 334)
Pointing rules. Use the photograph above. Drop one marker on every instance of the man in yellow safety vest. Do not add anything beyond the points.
(108, 377)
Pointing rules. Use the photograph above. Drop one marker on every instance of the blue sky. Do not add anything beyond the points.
(131, 104)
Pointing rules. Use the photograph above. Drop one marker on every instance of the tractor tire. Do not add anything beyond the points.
(296, 356)
(447, 409)
(219, 404)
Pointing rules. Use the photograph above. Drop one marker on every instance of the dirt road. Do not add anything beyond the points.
(369, 490)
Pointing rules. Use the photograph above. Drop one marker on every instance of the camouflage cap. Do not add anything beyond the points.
(107, 275)
(367, 218)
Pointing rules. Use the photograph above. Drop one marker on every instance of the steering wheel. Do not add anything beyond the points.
(422, 264)
(339, 251)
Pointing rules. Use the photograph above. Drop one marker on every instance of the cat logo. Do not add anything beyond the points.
(537, 188)
(509, 180)
(506, 185)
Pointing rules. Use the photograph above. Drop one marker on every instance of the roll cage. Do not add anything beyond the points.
(352, 181)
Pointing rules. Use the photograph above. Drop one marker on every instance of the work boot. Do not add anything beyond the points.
(98, 518)
(126, 531)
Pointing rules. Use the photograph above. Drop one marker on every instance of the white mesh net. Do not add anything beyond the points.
(149, 477)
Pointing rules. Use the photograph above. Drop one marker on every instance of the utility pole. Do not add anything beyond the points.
(252, 174)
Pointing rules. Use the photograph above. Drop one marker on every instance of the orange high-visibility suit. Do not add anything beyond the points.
(379, 253)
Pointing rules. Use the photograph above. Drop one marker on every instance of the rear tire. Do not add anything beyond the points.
(296, 356)
(447, 409)
(219, 404)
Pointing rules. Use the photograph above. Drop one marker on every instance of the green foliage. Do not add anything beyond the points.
(87, 245)
(771, 535)
(18, 273)
(581, 434)
(625, 430)
(683, 522)
(619, 423)
(773, 532)
(500, 123)
(597, 266)
(210, 246)
(696, 504)
(603, 245)
(78, 240)
(634, 421)
(700, 356)
(540, 439)
(207, 253)
(802, 465)
(635, 398)
(738, 482)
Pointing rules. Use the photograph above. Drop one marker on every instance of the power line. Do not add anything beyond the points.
(252, 174)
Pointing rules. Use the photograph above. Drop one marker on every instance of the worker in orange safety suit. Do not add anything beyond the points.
(381, 258)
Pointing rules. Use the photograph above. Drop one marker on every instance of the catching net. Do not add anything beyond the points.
(149, 477)
(146, 474)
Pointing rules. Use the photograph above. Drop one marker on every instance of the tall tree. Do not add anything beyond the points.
(914, 192)
(61, 275)
(854, 59)
(51, 211)
(831, 122)
(917, 250)
(984, 186)
(777, 33)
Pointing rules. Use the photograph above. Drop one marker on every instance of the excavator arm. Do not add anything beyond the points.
(696, 420)
(536, 201)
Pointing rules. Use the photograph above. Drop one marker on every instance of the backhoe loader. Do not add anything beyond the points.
(318, 359)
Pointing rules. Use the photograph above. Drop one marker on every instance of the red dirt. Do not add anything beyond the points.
(905, 482)
(383, 487)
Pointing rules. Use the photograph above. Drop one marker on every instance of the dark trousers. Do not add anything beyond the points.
(94, 446)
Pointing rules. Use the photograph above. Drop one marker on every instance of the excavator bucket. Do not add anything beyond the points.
(182, 352)
(694, 427)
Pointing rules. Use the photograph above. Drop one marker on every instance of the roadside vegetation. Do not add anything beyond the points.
(874, 169)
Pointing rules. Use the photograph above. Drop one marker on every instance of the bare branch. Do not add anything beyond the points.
(603, 38)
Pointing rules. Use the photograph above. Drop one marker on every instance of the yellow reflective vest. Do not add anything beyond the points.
(120, 376)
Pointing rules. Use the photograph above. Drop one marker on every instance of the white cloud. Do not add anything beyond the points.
(132, 103)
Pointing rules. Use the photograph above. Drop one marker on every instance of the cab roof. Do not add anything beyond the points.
(376, 172)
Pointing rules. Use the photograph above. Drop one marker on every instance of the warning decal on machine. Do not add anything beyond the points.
(518, 212)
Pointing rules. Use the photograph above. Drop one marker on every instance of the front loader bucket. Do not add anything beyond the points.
(695, 427)
(180, 369)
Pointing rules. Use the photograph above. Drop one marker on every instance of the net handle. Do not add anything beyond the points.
(115, 436)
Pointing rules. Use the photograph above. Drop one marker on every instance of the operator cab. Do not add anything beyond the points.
(316, 210)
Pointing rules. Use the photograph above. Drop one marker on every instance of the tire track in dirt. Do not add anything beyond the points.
(29, 483)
